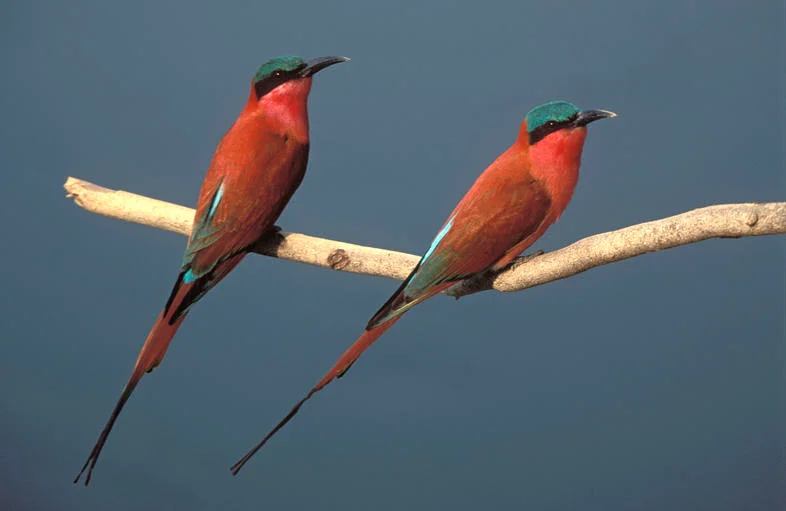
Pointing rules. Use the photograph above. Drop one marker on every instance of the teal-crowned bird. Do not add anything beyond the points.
(256, 168)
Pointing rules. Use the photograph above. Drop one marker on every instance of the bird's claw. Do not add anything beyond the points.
(528, 257)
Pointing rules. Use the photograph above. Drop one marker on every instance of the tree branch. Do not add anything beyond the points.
(722, 221)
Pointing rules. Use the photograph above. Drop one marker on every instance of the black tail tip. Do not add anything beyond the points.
(79, 476)
(238, 465)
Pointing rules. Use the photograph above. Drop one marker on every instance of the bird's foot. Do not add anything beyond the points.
(273, 236)
(529, 257)
(483, 281)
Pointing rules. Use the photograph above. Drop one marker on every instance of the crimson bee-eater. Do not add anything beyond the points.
(508, 208)
(256, 168)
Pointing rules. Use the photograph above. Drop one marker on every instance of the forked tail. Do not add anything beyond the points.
(150, 356)
(187, 290)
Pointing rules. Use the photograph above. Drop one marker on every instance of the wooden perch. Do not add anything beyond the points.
(721, 221)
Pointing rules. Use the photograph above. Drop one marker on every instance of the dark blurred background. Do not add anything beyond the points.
(655, 383)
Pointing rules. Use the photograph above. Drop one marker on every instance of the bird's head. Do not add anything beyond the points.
(553, 135)
(559, 117)
(289, 75)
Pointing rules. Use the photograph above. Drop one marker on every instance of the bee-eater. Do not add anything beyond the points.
(508, 208)
(256, 168)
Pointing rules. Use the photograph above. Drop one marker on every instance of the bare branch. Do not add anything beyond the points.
(332, 254)
(722, 221)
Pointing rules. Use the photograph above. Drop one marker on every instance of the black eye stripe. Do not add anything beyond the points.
(266, 85)
(275, 79)
(549, 127)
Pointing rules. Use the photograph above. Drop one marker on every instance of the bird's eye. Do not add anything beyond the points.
(277, 73)
(551, 124)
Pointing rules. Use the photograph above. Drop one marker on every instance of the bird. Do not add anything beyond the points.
(256, 167)
(510, 206)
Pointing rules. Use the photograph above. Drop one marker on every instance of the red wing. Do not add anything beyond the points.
(497, 214)
(493, 217)
(251, 179)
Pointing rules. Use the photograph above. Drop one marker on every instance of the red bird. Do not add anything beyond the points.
(508, 208)
(256, 168)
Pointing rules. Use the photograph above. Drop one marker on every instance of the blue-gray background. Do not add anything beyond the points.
(656, 383)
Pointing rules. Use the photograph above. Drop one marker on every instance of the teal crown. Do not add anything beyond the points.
(553, 111)
(287, 63)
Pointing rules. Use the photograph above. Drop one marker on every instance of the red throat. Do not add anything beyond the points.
(555, 160)
(285, 106)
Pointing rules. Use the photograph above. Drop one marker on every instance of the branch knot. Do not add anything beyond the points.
(338, 259)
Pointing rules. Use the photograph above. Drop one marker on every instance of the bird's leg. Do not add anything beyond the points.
(482, 281)
(527, 257)
(272, 236)
(269, 242)
(474, 284)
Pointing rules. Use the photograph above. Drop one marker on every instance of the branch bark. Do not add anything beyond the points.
(721, 221)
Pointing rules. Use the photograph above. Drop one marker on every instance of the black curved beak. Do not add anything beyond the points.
(313, 66)
(588, 116)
